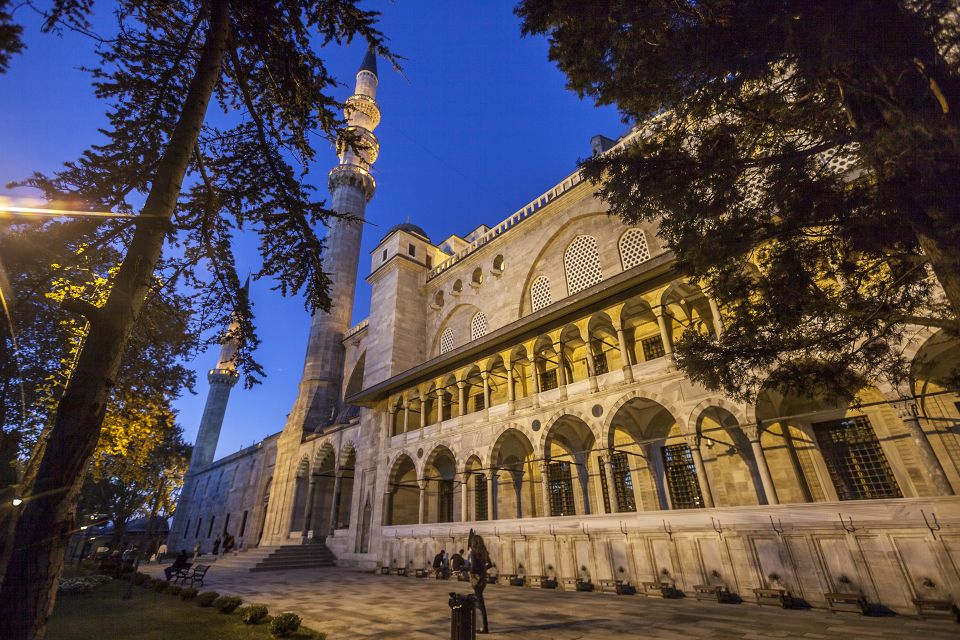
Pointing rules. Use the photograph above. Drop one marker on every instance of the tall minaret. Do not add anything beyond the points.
(351, 187)
(222, 378)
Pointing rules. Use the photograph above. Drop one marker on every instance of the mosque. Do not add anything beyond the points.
(519, 380)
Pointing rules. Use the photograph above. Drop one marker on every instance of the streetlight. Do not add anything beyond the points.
(17, 502)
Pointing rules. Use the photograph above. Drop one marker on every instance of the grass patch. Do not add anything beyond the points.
(147, 616)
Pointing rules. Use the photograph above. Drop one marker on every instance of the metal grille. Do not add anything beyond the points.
(622, 481)
(446, 340)
(480, 496)
(633, 248)
(445, 501)
(600, 363)
(603, 486)
(478, 404)
(855, 460)
(681, 477)
(652, 348)
(561, 489)
(581, 261)
(540, 293)
(478, 326)
(548, 380)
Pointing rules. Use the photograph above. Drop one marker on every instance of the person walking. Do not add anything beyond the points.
(216, 547)
(161, 551)
(479, 561)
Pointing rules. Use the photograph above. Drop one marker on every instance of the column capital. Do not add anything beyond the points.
(485, 375)
(906, 408)
(461, 384)
(658, 311)
(693, 440)
(752, 431)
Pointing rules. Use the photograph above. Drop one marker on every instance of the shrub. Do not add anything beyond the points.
(227, 604)
(159, 584)
(284, 625)
(140, 578)
(188, 593)
(206, 598)
(253, 614)
(83, 584)
(173, 589)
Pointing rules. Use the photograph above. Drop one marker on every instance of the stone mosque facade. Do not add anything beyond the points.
(519, 380)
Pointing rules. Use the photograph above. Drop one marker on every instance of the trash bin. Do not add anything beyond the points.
(462, 625)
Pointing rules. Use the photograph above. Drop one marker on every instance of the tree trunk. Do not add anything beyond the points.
(44, 527)
(941, 248)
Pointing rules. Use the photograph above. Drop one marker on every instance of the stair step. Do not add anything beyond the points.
(305, 556)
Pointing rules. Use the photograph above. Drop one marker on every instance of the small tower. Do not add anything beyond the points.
(222, 378)
(351, 186)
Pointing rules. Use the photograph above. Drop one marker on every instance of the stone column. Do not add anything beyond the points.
(441, 395)
(308, 508)
(486, 389)
(753, 433)
(611, 485)
(462, 399)
(406, 415)
(535, 382)
(511, 391)
(464, 493)
(561, 370)
(591, 367)
(422, 508)
(664, 333)
(624, 355)
(423, 412)
(694, 443)
(715, 312)
(545, 483)
(491, 482)
(333, 506)
(907, 410)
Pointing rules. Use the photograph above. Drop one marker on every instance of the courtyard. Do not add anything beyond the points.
(347, 604)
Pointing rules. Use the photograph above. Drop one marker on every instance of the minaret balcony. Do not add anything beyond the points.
(352, 175)
(223, 376)
(364, 105)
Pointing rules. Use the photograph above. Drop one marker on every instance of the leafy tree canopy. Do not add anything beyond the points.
(801, 161)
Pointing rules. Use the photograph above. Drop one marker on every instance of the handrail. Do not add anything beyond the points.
(357, 328)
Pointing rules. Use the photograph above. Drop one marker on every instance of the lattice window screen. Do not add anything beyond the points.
(446, 340)
(633, 248)
(581, 261)
(478, 326)
(540, 293)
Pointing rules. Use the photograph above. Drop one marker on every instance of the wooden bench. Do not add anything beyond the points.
(194, 575)
(584, 585)
(774, 597)
(847, 603)
(716, 592)
(943, 609)
(660, 590)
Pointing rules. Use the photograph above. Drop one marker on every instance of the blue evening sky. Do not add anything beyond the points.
(478, 125)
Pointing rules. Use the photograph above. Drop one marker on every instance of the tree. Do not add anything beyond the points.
(10, 36)
(801, 159)
(159, 72)
(138, 467)
(42, 264)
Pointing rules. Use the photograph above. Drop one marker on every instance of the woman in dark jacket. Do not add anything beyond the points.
(479, 561)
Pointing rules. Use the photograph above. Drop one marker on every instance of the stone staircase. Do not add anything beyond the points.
(243, 559)
(301, 556)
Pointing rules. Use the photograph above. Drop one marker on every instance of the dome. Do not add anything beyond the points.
(409, 227)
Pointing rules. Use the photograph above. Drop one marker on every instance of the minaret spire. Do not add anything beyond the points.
(351, 186)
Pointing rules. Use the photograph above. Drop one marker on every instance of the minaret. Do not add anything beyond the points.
(221, 378)
(351, 187)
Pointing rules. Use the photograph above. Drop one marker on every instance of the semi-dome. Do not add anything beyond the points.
(409, 227)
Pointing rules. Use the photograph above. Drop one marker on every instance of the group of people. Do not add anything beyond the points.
(476, 565)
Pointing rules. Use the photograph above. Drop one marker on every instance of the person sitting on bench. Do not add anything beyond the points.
(179, 563)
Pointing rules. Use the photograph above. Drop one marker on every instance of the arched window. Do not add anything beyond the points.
(457, 287)
(498, 265)
(477, 279)
(581, 261)
(478, 326)
(540, 293)
(446, 340)
(633, 248)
